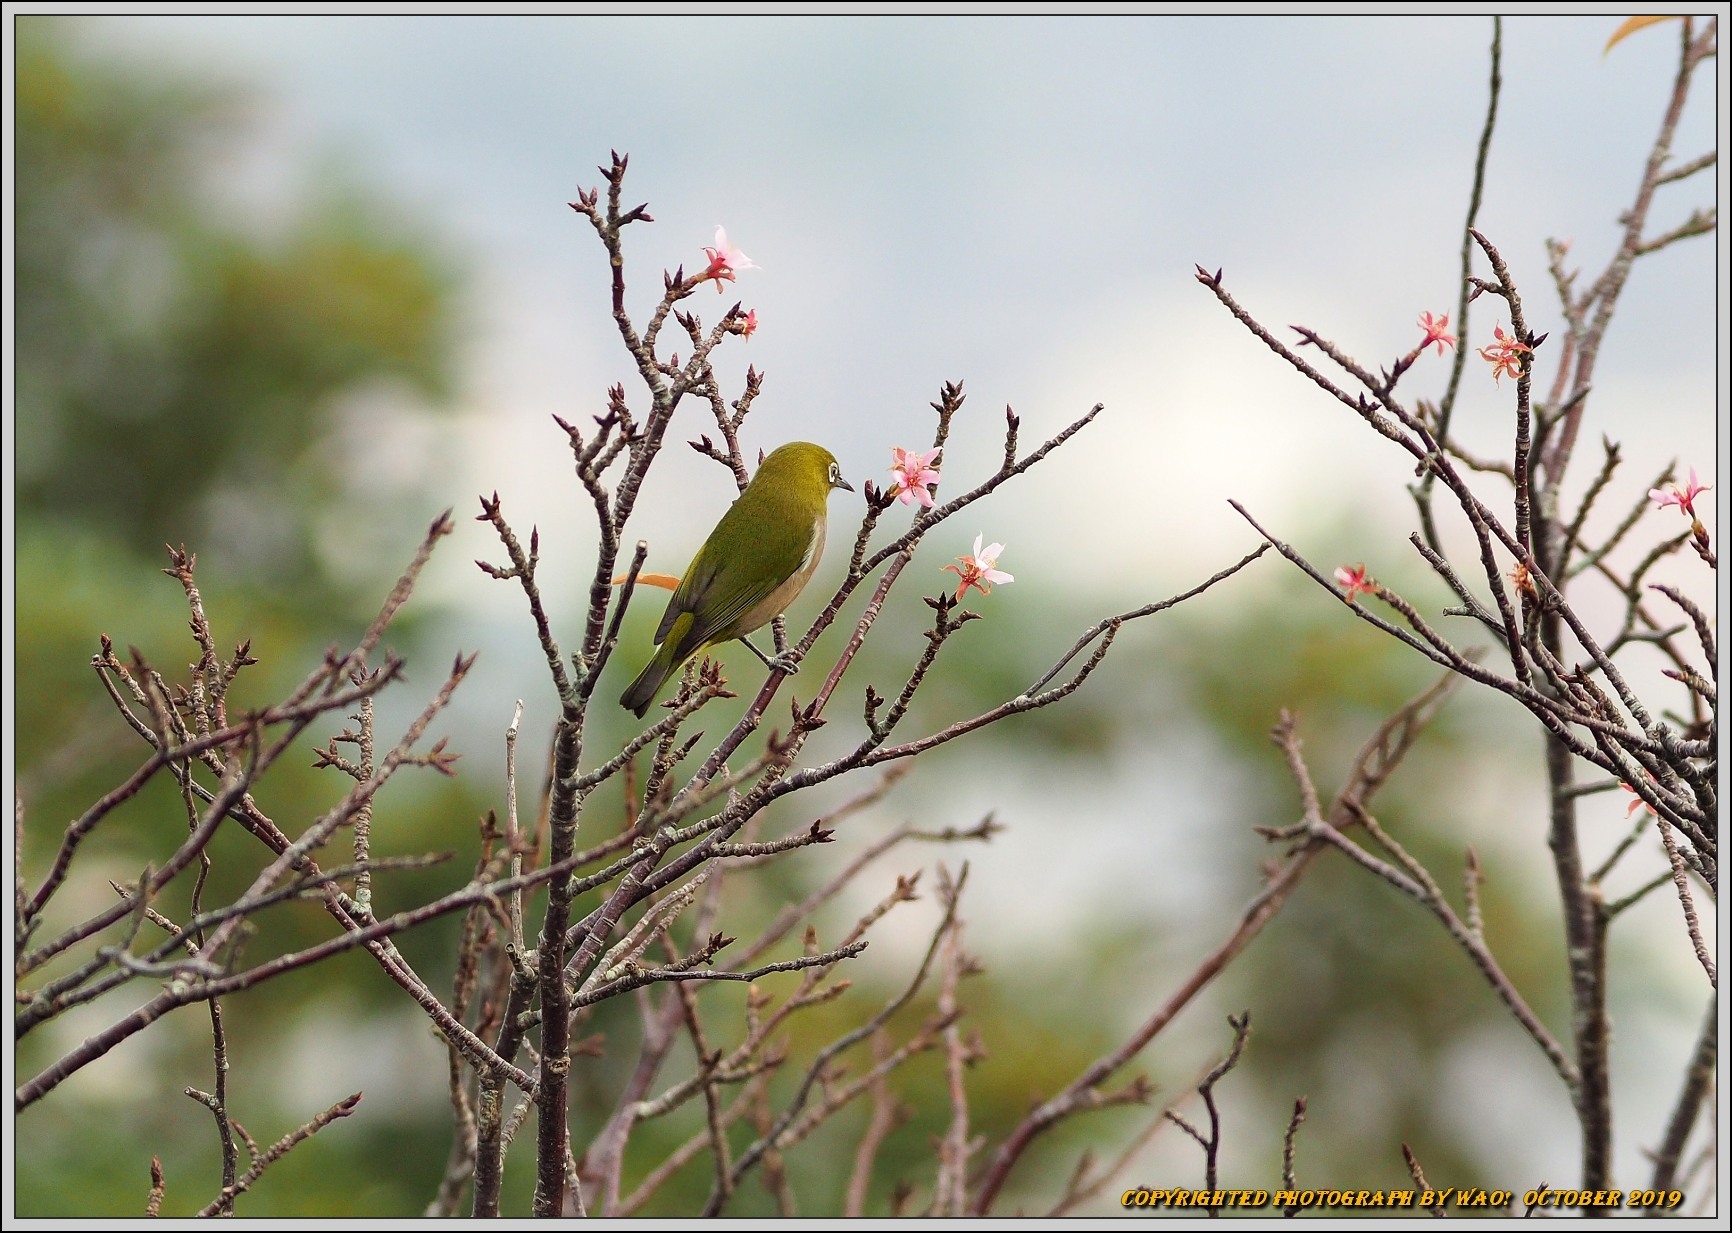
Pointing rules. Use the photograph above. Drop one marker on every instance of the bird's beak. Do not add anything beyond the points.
(842, 483)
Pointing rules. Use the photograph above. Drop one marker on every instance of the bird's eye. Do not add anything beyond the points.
(835, 473)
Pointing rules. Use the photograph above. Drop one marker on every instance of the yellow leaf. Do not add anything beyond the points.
(1633, 24)
(651, 580)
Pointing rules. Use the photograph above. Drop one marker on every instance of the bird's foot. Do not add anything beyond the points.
(787, 662)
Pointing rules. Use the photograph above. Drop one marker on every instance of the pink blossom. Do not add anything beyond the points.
(978, 569)
(1684, 498)
(914, 475)
(749, 326)
(725, 259)
(1355, 581)
(1504, 355)
(1436, 331)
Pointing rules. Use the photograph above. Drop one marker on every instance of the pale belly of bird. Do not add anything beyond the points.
(777, 601)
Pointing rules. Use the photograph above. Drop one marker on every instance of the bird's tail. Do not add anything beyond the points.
(641, 692)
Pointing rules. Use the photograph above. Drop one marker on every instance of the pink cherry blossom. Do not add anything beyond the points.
(1355, 581)
(1636, 801)
(1436, 331)
(1684, 498)
(749, 326)
(978, 569)
(725, 259)
(1504, 355)
(914, 475)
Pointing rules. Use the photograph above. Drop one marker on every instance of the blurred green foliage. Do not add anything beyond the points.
(183, 370)
(177, 359)
(1359, 1000)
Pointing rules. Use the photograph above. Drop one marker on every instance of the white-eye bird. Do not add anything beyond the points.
(757, 560)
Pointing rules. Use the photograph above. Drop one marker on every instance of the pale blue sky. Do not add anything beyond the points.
(1014, 201)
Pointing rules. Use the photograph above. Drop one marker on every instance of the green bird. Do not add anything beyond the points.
(757, 560)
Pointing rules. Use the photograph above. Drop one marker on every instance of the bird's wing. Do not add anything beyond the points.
(684, 598)
(775, 556)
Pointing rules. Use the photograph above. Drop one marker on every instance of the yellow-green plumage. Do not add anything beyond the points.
(760, 556)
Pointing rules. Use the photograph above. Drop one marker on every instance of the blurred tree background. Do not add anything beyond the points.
(189, 372)
(192, 372)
